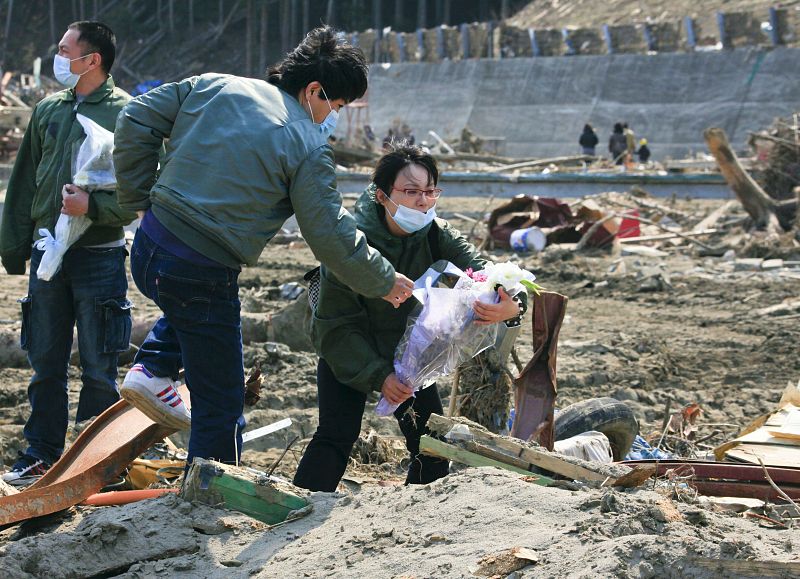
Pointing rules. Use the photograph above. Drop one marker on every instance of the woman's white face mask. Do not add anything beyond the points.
(411, 220)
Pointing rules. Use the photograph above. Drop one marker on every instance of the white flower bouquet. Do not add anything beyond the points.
(441, 333)
(92, 169)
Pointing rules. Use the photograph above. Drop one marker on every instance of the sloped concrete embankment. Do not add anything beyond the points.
(539, 105)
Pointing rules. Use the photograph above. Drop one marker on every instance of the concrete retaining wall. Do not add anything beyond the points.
(539, 105)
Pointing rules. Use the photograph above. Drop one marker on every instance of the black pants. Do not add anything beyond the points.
(341, 409)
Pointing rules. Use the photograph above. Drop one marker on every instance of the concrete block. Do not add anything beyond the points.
(414, 51)
(478, 40)
(513, 42)
(430, 52)
(452, 43)
(366, 41)
(666, 36)
(744, 29)
(550, 42)
(586, 41)
(628, 39)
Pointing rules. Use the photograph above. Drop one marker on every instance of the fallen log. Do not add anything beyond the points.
(764, 210)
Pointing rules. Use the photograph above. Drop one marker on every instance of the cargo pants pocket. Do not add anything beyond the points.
(25, 331)
(115, 335)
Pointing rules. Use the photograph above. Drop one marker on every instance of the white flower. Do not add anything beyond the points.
(508, 274)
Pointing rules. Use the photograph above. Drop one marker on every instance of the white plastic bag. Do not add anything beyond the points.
(92, 169)
(93, 161)
(68, 229)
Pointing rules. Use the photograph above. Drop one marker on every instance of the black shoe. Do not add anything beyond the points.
(26, 470)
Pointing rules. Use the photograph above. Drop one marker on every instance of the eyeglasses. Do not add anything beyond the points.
(416, 193)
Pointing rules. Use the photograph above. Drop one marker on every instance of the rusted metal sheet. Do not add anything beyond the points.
(99, 454)
(535, 388)
(728, 479)
(725, 488)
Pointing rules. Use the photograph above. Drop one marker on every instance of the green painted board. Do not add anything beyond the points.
(240, 490)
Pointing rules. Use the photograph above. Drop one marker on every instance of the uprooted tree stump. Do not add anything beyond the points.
(766, 212)
(485, 391)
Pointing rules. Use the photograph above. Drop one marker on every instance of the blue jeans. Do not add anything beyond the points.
(90, 290)
(201, 332)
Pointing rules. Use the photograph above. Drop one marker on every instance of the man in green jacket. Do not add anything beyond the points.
(91, 286)
(242, 156)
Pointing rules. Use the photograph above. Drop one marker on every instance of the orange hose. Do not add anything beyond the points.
(124, 497)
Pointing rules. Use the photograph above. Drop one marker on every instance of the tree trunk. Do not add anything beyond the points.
(248, 42)
(52, 23)
(398, 15)
(422, 13)
(262, 40)
(759, 205)
(7, 31)
(191, 16)
(292, 25)
(329, 13)
(172, 15)
(284, 26)
(306, 17)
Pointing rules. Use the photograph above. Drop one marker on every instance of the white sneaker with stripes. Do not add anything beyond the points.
(156, 397)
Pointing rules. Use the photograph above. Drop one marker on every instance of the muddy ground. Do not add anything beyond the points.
(645, 330)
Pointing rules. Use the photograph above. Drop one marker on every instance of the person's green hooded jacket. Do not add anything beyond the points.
(242, 156)
(357, 336)
(44, 166)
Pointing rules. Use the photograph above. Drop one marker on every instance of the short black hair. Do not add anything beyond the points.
(398, 158)
(98, 38)
(325, 57)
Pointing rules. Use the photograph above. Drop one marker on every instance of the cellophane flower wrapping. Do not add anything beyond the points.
(440, 335)
(92, 169)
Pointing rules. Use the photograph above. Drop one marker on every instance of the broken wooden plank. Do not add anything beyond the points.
(434, 447)
(539, 458)
(749, 568)
(665, 236)
(713, 218)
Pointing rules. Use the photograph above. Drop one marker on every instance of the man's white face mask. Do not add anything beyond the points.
(328, 124)
(62, 72)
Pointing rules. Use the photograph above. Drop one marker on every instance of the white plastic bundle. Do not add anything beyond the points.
(92, 169)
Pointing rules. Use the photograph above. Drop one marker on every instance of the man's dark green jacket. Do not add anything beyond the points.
(357, 336)
(242, 156)
(44, 166)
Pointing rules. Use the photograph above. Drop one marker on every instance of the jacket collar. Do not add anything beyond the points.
(100, 93)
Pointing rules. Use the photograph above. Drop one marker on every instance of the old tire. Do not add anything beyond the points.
(607, 415)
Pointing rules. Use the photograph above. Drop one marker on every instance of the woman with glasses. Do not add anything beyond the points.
(355, 337)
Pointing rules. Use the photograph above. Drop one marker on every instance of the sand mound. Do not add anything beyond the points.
(439, 530)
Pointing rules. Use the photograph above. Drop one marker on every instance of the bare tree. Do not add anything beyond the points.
(329, 13)
(52, 21)
(248, 39)
(8, 31)
(262, 38)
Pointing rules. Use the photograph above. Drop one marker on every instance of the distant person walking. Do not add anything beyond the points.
(618, 145)
(643, 152)
(588, 140)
